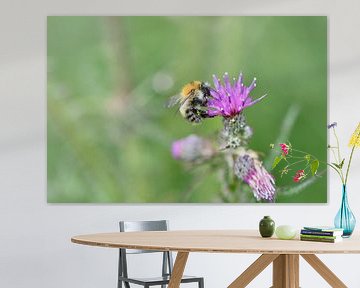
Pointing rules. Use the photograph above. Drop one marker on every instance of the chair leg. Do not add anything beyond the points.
(201, 283)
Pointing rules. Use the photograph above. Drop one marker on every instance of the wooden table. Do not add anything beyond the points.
(284, 254)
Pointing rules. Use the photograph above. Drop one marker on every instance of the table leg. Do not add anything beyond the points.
(324, 271)
(178, 269)
(286, 271)
(253, 270)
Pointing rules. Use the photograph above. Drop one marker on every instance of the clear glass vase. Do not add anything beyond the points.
(345, 219)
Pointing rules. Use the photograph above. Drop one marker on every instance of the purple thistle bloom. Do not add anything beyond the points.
(251, 171)
(229, 100)
(191, 148)
(332, 125)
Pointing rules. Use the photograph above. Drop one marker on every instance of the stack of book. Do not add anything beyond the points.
(321, 234)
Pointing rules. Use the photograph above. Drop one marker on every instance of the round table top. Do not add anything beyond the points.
(217, 241)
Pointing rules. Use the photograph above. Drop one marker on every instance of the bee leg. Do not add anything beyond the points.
(197, 119)
(204, 114)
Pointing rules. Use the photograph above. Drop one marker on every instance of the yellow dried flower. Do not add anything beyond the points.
(355, 137)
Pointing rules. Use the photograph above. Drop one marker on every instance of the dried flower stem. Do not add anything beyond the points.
(348, 167)
(340, 172)
(350, 159)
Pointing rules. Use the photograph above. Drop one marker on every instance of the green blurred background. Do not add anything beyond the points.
(108, 133)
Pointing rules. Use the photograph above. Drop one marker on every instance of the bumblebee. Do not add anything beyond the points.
(192, 99)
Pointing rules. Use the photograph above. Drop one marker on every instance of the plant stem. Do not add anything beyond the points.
(333, 152)
(348, 167)
(295, 163)
(332, 166)
(351, 155)
(295, 157)
(303, 152)
(338, 149)
(337, 171)
(337, 143)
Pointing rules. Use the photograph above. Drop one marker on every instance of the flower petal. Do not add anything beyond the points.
(229, 100)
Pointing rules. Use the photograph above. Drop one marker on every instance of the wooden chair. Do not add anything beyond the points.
(167, 262)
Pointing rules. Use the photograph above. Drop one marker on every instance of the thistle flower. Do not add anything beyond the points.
(191, 148)
(229, 100)
(235, 132)
(355, 137)
(300, 174)
(251, 171)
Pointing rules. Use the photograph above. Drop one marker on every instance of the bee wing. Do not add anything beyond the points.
(176, 99)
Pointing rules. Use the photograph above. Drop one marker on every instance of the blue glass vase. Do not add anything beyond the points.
(345, 219)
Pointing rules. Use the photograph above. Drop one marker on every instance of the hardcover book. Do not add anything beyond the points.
(323, 228)
(328, 240)
(320, 237)
(321, 233)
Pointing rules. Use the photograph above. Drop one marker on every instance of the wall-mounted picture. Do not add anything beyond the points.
(186, 109)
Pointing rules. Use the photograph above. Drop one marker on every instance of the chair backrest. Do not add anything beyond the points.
(133, 226)
(137, 226)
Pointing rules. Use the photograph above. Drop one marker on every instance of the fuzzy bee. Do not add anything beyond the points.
(192, 99)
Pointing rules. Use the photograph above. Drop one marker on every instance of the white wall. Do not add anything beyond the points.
(35, 248)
